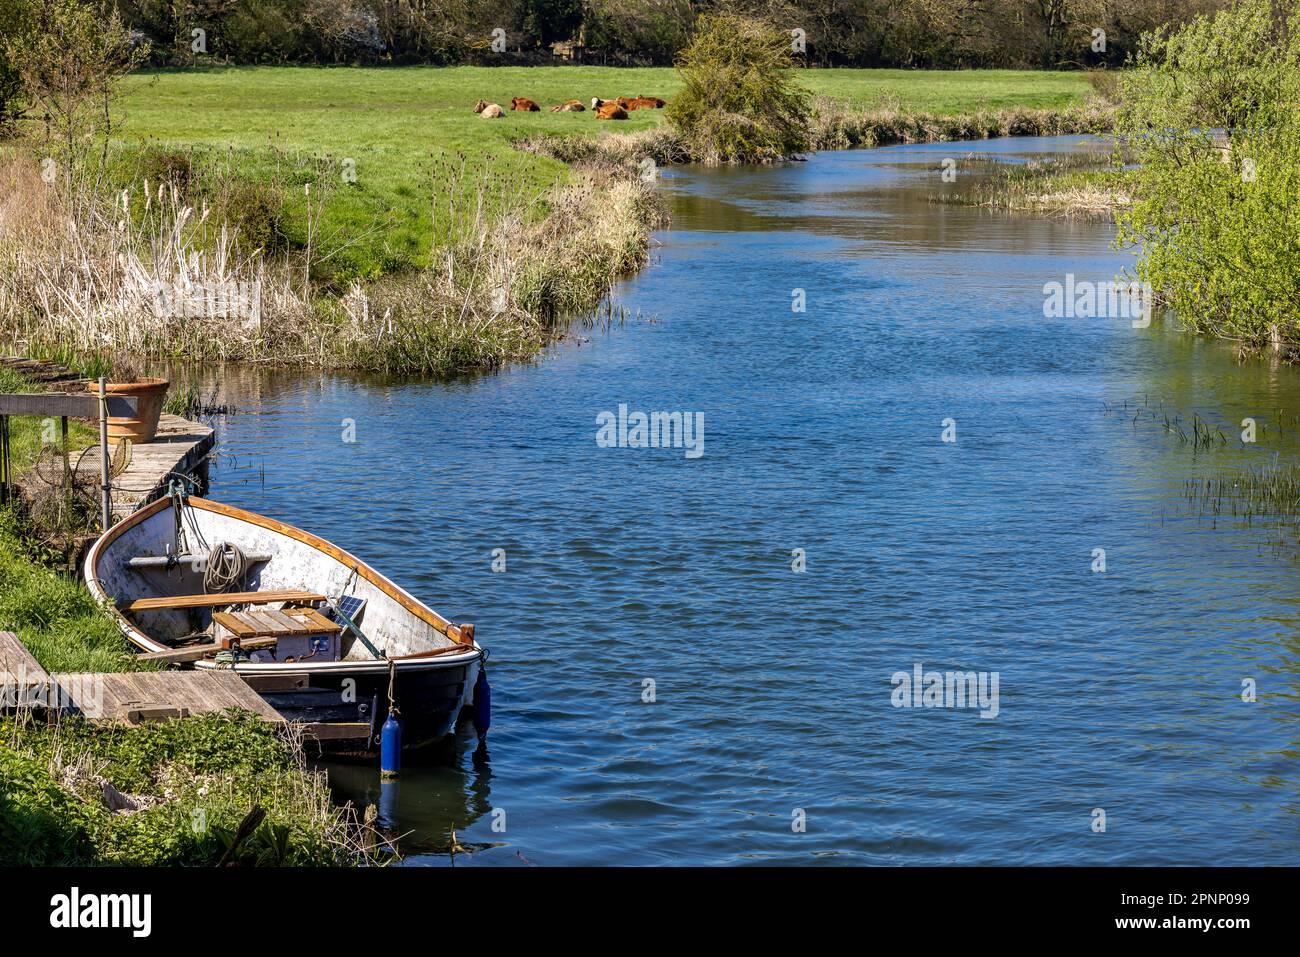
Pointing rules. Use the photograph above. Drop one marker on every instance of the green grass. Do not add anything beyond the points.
(194, 779)
(53, 614)
(408, 128)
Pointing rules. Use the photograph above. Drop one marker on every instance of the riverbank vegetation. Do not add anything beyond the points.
(1083, 185)
(739, 100)
(358, 218)
(1213, 114)
(225, 789)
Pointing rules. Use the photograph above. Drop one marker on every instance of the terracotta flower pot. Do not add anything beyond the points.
(149, 395)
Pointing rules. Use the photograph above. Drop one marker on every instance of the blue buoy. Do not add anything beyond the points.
(482, 703)
(390, 747)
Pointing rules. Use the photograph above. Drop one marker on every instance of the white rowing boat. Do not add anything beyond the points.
(311, 627)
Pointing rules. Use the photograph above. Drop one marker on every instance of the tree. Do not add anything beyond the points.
(70, 58)
(739, 101)
(15, 17)
(551, 20)
(1212, 113)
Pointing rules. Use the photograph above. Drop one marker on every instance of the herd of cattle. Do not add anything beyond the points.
(615, 109)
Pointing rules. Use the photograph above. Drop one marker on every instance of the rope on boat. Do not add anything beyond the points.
(226, 567)
(392, 677)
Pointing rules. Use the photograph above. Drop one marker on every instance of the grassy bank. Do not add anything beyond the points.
(385, 225)
(409, 129)
(170, 793)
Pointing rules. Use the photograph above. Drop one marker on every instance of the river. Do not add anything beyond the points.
(694, 649)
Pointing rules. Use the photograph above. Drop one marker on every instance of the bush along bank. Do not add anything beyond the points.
(835, 127)
(1213, 115)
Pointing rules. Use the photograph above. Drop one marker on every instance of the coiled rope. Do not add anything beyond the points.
(226, 567)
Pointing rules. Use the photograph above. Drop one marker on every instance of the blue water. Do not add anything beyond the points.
(1118, 690)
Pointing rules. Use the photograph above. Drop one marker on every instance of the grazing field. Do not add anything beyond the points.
(416, 145)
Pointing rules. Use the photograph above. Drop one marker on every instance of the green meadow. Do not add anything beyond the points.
(417, 148)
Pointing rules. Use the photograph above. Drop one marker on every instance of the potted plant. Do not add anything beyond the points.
(126, 379)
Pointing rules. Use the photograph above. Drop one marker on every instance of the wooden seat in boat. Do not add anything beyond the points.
(268, 623)
(224, 598)
(299, 633)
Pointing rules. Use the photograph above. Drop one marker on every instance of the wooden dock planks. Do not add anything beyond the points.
(130, 697)
(180, 446)
(23, 682)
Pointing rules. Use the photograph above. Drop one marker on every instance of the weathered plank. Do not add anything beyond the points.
(334, 730)
(23, 682)
(222, 598)
(199, 651)
(121, 697)
(75, 405)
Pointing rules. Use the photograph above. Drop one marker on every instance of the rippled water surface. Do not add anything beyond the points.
(822, 431)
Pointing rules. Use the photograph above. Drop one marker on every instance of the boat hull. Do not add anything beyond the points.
(429, 703)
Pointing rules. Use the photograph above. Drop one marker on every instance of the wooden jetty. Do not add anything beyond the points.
(134, 697)
(181, 447)
(128, 697)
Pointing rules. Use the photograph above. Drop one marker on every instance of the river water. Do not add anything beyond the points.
(765, 592)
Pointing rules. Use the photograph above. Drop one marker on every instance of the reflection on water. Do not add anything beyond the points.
(439, 796)
(1120, 690)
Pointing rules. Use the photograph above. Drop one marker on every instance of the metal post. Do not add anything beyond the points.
(67, 467)
(4, 459)
(106, 502)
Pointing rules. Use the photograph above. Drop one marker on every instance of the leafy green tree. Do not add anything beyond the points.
(15, 20)
(1212, 112)
(70, 58)
(551, 20)
(739, 100)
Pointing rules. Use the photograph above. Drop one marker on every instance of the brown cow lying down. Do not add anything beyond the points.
(630, 103)
(609, 110)
(490, 110)
(568, 106)
(528, 106)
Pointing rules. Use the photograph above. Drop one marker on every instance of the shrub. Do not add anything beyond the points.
(739, 102)
(256, 211)
(1211, 113)
(167, 166)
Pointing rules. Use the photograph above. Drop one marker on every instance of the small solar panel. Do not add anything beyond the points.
(351, 606)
